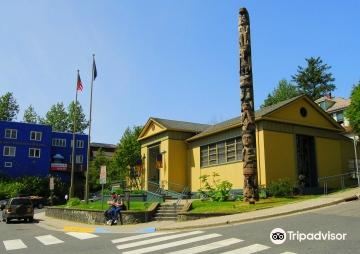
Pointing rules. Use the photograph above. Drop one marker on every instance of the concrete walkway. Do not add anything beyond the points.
(322, 201)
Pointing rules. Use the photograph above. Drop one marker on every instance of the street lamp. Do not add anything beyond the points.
(356, 140)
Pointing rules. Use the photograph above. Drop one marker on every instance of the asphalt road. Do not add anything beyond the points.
(19, 237)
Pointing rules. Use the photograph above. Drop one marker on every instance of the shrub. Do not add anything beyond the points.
(217, 191)
(73, 202)
(281, 188)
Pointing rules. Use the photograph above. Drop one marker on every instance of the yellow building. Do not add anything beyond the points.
(293, 137)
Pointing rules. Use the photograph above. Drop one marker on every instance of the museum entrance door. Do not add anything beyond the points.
(154, 172)
(306, 159)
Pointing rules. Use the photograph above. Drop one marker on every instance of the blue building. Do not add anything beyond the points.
(35, 150)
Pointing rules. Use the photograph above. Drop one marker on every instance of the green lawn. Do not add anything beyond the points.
(134, 205)
(199, 206)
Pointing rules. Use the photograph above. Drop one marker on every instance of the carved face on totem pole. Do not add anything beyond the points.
(247, 139)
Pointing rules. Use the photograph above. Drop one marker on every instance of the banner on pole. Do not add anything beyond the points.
(103, 175)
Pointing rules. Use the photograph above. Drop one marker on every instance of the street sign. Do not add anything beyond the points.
(51, 183)
(103, 175)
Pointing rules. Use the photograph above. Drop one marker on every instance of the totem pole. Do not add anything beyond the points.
(247, 111)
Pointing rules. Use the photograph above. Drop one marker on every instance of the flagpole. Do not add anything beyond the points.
(71, 192)
(89, 139)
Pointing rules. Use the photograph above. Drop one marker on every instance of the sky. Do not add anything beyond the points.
(175, 59)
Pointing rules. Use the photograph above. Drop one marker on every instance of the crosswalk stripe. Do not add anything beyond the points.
(156, 240)
(48, 239)
(81, 235)
(171, 244)
(248, 249)
(137, 237)
(206, 247)
(14, 244)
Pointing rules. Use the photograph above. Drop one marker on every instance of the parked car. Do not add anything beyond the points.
(38, 202)
(17, 208)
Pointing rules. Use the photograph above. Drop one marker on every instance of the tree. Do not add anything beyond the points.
(30, 115)
(8, 107)
(285, 90)
(314, 80)
(353, 111)
(57, 117)
(127, 152)
(94, 170)
(81, 122)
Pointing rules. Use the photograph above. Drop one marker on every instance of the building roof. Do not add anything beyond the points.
(102, 145)
(181, 125)
(236, 121)
(338, 103)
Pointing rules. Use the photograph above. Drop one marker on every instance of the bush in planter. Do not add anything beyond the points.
(73, 202)
(281, 188)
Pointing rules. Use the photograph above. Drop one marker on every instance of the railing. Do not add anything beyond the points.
(155, 192)
(158, 191)
(184, 194)
(336, 178)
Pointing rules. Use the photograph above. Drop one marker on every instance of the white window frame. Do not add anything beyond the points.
(79, 143)
(11, 132)
(37, 135)
(8, 164)
(59, 142)
(79, 159)
(33, 150)
(9, 154)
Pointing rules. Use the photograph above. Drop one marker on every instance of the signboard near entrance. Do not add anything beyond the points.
(103, 175)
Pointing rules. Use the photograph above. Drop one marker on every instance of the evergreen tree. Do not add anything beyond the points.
(285, 90)
(81, 122)
(57, 117)
(8, 107)
(314, 80)
(30, 115)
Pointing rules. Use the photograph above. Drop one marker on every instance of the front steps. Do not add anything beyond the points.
(167, 211)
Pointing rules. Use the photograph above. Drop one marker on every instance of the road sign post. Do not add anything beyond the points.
(102, 182)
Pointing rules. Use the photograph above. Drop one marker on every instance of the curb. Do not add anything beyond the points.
(351, 198)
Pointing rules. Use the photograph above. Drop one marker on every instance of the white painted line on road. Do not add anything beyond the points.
(156, 240)
(248, 249)
(137, 237)
(287, 252)
(206, 247)
(48, 239)
(14, 244)
(172, 244)
(81, 235)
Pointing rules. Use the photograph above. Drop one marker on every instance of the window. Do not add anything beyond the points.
(340, 117)
(79, 159)
(11, 133)
(8, 164)
(60, 142)
(79, 143)
(221, 152)
(35, 135)
(9, 151)
(34, 152)
(204, 156)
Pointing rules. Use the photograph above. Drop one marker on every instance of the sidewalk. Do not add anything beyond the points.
(332, 199)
